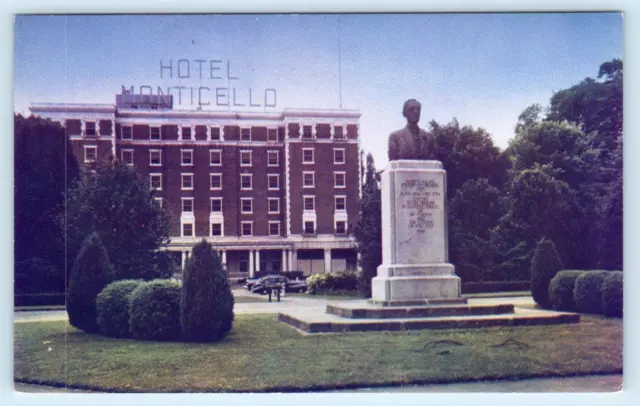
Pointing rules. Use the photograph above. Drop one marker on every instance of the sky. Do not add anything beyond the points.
(482, 69)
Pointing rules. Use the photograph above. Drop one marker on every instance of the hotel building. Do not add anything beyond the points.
(272, 191)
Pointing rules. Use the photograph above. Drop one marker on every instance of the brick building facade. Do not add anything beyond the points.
(271, 191)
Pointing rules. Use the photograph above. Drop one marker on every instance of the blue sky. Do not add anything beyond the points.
(482, 69)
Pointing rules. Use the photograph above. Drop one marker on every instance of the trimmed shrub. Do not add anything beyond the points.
(112, 306)
(544, 266)
(587, 292)
(561, 290)
(323, 283)
(206, 308)
(91, 272)
(154, 311)
(612, 294)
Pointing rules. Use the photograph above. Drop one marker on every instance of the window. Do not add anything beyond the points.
(341, 203)
(155, 157)
(307, 131)
(187, 205)
(186, 133)
(216, 229)
(307, 156)
(338, 133)
(274, 181)
(309, 203)
(216, 205)
(245, 134)
(272, 134)
(154, 133)
(247, 228)
(90, 127)
(245, 158)
(127, 156)
(158, 201)
(338, 155)
(338, 178)
(273, 158)
(274, 205)
(247, 205)
(187, 181)
(341, 227)
(187, 229)
(215, 181)
(215, 133)
(90, 153)
(308, 179)
(155, 180)
(246, 181)
(274, 228)
(309, 227)
(186, 157)
(126, 132)
(215, 157)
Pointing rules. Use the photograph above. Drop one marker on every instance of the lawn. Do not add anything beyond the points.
(262, 354)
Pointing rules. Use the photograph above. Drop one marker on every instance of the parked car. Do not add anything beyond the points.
(262, 285)
(250, 282)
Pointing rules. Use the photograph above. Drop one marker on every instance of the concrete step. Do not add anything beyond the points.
(316, 321)
(363, 311)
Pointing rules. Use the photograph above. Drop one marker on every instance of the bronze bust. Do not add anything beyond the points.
(411, 142)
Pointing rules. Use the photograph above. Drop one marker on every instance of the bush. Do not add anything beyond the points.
(154, 311)
(39, 299)
(91, 272)
(587, 292)
(206, 308)
(561, 290)
(323, 283)
(612, 294)
(495, 286)
(544, 266)
(112, 306)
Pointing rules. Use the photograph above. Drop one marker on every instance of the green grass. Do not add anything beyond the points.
(261, 354)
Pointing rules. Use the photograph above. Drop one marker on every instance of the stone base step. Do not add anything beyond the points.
(316, 321)
(360, 311)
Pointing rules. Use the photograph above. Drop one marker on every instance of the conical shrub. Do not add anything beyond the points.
(545, 264)
(91, 272)
(206, 310)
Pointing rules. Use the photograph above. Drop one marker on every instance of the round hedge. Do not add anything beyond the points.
(154, 311)
(561, 290)
(587, 291)
(112, 306)
(612, 294)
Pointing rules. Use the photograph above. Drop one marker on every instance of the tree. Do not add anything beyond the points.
(44, 168)
(91, 272)
(114, 201)
(206, 308)
(368, 229)
(545, 264)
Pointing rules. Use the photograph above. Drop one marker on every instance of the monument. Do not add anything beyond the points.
(416, 286)
(415, 268)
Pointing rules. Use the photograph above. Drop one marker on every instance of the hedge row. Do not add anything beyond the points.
(486, 287)
(324, 283)
(598, 292)
(39, 299)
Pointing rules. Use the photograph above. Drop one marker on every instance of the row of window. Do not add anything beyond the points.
(215, 157)
(246, 204)
(246, 228)
(246, 181)
(215, 133)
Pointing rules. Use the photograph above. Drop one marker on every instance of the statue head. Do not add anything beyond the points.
(411, 111)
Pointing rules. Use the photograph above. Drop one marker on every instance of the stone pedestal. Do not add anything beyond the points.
(415, 268)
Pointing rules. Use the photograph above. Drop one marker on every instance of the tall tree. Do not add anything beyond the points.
(368, 228)
(44, 168)
(115, 202)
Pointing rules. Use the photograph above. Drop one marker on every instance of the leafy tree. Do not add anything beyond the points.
(545, 264)
(91, 272)
(368, 229)
(44, 168)
(610, 228)
(114, 201)
(206, 308)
